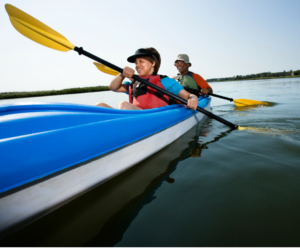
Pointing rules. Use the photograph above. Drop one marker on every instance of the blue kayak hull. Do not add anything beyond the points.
(52, 153)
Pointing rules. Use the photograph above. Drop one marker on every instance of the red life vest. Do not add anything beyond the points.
(146, 97)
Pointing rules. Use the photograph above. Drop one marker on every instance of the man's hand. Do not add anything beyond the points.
(204, 91)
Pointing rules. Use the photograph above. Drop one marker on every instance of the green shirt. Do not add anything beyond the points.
(187, 80)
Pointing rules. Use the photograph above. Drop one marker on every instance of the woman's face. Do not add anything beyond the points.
(144, 67)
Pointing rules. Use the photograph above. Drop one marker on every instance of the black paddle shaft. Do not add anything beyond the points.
(196, 92)
(218, 96)
(137, 78)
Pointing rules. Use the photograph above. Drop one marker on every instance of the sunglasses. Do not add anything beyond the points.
(178, 62)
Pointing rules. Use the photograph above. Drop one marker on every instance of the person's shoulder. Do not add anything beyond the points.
(165, 78)
(166, 81)
(170, 84)
(195, 74)
(198, 76)
(190, 73)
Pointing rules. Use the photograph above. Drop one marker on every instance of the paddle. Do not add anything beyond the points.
(238, 102)
(42, 34)
(106, 69)
(241, 102)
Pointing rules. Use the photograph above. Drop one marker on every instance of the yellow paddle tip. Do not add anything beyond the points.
(248, 102)
(106, 69)
(8, 7)
(37, 31)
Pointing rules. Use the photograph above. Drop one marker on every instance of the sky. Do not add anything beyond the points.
(223, 38)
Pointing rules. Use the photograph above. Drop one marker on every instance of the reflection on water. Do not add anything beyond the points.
(198, 147)
(266, 130)
(165, 158)
(242, 191)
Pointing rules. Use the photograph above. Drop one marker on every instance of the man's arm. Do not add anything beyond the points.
(204, 86)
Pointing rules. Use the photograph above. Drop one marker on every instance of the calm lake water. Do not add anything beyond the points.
(212, 187)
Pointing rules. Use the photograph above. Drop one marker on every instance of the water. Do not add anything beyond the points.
(90, 98)
(211, 187)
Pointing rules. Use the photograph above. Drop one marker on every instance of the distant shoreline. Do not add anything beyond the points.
(238, 79)
(12, 95)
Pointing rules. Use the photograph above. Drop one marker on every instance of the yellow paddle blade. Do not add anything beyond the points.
(245, 102)
(265, 130)
(106, 69)
(36, 30)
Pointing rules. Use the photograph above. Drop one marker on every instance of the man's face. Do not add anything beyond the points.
(181, 66)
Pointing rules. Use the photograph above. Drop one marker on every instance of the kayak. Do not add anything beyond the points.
(51, 153)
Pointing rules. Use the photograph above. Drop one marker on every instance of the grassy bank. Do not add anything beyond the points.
(11, 95)
(233, 79)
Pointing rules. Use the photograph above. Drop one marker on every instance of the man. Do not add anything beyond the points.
(189, 79)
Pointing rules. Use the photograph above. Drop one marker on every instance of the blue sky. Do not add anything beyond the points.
(222, 37)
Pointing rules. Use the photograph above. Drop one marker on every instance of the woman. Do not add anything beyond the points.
(141, 96)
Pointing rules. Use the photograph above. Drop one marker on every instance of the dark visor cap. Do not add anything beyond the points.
(140, 53)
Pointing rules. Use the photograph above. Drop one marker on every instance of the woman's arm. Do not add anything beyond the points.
(174, 87)
(192, 100)
(117, 85)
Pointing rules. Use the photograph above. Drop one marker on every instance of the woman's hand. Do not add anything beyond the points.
(116, 84)
(128, 72)
(192, 102)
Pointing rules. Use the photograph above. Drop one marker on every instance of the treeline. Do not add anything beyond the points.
(11, 95)
(263, 75)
